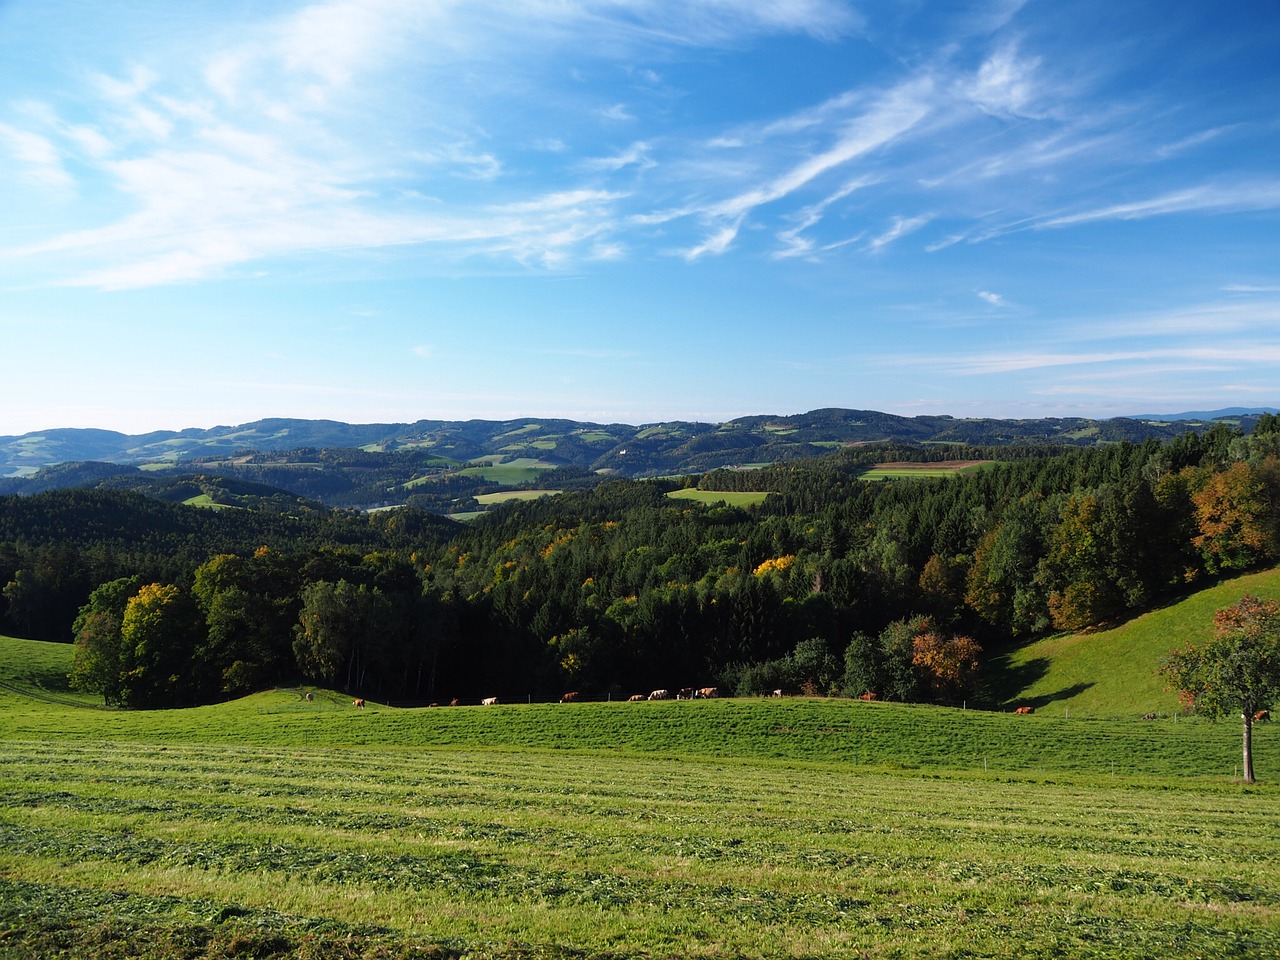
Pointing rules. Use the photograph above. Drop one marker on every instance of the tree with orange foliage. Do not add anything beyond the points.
(1236, 516)
(949, 664)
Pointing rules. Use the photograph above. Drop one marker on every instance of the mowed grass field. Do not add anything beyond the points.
(276, 827)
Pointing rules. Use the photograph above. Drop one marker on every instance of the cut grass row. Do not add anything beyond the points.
(503, 854)
(276, 827)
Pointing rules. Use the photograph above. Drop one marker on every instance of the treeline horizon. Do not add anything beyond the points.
(833, 584)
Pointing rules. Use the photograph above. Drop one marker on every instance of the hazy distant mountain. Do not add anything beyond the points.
(1226, 413)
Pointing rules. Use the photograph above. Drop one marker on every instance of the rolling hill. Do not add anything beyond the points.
(443, 463)
(1111, 673)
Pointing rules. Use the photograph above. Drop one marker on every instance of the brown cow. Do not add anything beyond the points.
(707, 693)
(660, 695)
(358, 702)
(868, 696)
(1025, 710)
(570, 697)
(453, 702)
(686, 693)
(1262, 716)
(489, 701)
(636, 698)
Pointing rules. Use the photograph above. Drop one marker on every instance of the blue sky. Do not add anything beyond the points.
(634, 210)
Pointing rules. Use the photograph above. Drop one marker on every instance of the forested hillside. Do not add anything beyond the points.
(441, 465)
(833, 583)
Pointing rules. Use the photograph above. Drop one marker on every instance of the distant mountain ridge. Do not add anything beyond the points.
(1221, 414)
(374, 464)
(575, 441)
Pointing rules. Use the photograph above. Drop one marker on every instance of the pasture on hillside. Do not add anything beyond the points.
(1112, 673)
(278, 827)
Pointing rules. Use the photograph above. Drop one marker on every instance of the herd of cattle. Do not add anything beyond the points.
(711, 693)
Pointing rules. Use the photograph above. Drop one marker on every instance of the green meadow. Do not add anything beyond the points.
(509, 472)
(506, 496)
(732, 498)
(1112, 673)
(276, 826)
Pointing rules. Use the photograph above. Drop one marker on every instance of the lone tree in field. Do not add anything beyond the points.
(1238, 670)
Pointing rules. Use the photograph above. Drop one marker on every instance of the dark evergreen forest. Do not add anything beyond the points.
(833, 584)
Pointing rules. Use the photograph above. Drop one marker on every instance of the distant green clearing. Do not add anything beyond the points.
(1082, 433)
(527, 428)
(505, 496)
(543, 444)
(594, 436)
(732, 498)
(659, 430)
(1111, 673)
(949, 468)
(206, 501)
(511, 472)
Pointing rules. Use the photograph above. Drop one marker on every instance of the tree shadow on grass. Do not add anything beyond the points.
(1044, 699)
(1003, 682)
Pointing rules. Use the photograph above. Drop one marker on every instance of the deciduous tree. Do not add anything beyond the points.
(1237, 670)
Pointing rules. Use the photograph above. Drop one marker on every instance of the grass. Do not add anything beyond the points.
(276, 827)
(505, 496)
(510, 472)
(1112, 673)
(294, 850)
(731, 498)
(892, 471)
(206, 501)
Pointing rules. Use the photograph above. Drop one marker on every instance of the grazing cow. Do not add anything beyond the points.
(776, 693)
(1025, 710)
(686, 693)
(707, 693)
(1262, 716)
(310, 696)
(660, 695)
(868, 696)
(636, 698)
(489, 701)
(453, 702)
(358, 702)
(1148, 716)
(570, 697)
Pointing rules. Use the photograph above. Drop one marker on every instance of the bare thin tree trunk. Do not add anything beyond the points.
(1248, 747)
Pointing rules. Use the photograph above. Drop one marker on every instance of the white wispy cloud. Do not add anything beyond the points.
(1005, 84)
(636, 155)
(900, 227)
(793, 241)
(324, 127)
(1257, 195)
(40, 161)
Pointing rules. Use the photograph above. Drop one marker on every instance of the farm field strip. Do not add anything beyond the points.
(622, 855)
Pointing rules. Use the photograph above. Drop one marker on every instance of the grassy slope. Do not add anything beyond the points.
(887, 736)
(1112, 673)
